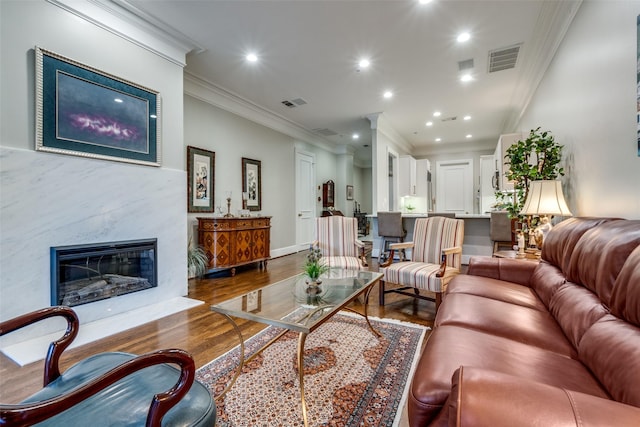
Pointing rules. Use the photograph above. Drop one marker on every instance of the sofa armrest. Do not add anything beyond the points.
(482, 397)
(511, 270)
(26, 414)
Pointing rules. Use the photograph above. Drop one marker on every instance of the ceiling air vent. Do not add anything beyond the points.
(503, 59)
(294, 102)
(467, 64)
(325, 132)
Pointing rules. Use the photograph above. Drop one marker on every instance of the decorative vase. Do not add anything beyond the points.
(313, 286)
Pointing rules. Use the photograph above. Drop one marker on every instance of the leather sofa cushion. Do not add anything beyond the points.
(546, 280)
(485, 398)
(510, 270)
(625, 299)
(576, 309)
(611, 349)
(521, 324)
(560, 243)
(600, 254)
(450, 347)
(126, 402)
(495, 289)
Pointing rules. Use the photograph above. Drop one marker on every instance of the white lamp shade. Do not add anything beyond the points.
(545, 198)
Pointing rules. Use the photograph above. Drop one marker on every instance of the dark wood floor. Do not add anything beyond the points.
(204, 334)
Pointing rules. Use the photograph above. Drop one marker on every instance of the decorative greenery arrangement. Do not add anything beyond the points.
(197, 260)
(536, 158)
(312, 266)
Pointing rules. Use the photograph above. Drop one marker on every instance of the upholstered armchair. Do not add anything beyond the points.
(110, 388)
(436, 257)
(337, 239)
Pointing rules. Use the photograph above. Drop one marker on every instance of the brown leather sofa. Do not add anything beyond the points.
(555, 343)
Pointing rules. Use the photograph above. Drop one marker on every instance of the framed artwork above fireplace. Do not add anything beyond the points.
(86, 112)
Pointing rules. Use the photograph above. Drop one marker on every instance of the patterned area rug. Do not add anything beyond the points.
(352, 377)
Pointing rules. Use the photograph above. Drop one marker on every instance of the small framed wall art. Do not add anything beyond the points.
(252, 183)
(349, 192)
(200, 179)
(86, 112)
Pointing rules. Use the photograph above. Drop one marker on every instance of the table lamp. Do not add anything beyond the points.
(545, 199)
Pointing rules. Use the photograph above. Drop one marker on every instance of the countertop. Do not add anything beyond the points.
(425, 215)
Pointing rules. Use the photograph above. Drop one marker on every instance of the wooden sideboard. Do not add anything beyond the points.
(231, 242)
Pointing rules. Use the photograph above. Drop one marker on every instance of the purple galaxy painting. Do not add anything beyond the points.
(94, 114)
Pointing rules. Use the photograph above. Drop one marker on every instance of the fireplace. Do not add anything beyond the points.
(81, 274)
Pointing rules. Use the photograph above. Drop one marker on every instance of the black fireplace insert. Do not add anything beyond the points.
(81, 274)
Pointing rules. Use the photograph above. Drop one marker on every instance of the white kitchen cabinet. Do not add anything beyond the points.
(504, 142)
(407, 176)
(488, 179)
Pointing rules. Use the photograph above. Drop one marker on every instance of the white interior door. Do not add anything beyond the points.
(305, 198)
(454, 186)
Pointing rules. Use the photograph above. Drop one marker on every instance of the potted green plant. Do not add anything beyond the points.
(312, 267)
(535, 158)
(197, 260)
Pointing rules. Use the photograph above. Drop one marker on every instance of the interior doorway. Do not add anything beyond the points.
(305, 198)
(392, 159)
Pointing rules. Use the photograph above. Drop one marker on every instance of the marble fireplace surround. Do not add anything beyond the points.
(53, 200)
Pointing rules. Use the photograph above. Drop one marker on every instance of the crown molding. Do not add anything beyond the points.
(217, 96)
(122, 19)
(552, 25)
(380, 123)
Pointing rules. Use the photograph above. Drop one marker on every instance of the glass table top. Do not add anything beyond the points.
(288, 303)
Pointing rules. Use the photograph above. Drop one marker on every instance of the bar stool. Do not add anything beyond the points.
(390, 230)
(500, 230)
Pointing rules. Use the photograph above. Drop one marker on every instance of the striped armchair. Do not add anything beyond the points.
(337, 238)
(436, 257)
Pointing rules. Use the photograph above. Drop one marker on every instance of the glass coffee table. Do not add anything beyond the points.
(293, 305)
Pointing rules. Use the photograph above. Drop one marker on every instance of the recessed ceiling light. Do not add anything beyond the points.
(388, 94)
(469, 135)
(429, 124)
(424, 1)
(463, 37)
(364, 63)
(437, 114)
(118, 100)
(355, 136)
(466, 118)
(466, 78)
(438, 139)
(252, 57)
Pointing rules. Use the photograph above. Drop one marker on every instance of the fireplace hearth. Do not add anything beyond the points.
(82, 274)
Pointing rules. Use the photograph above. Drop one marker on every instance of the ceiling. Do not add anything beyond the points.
(309, 50)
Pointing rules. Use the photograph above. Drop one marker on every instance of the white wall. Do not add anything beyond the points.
(588, 100)
(54, 200)
(232, 137)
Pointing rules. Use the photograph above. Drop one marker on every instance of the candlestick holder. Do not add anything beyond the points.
(228, 214)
